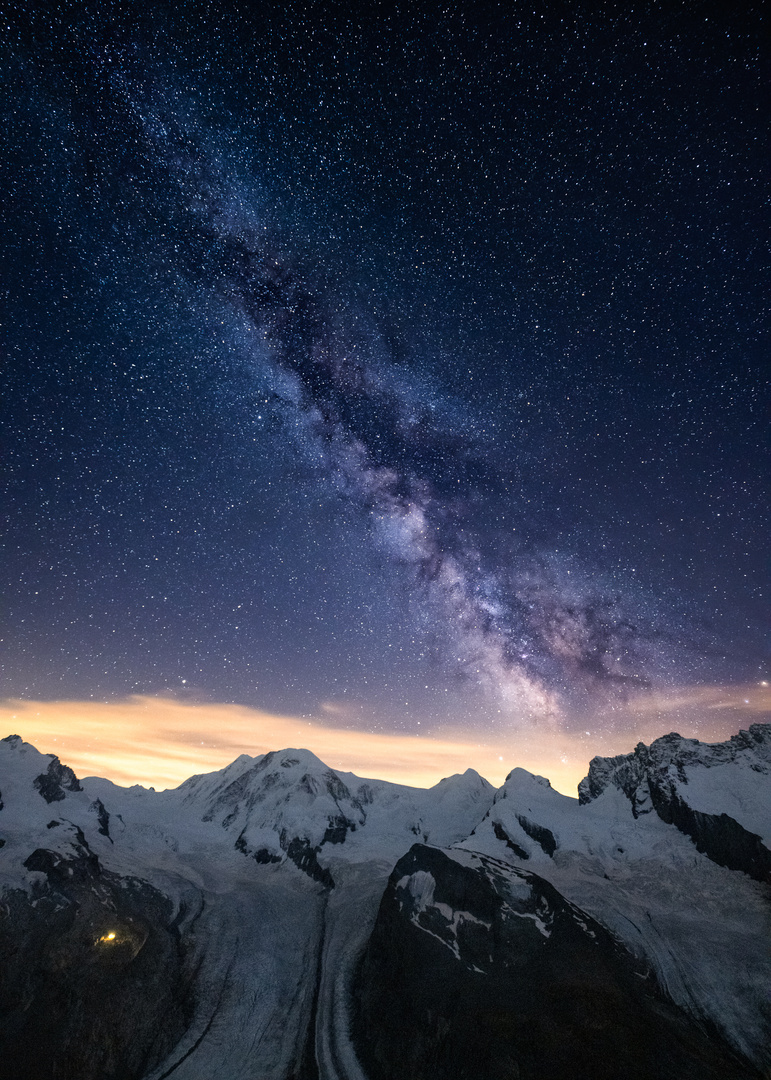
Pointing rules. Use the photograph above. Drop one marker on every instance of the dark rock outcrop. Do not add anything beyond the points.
(305, 858)
(543, 837)
(91, 974)
(475, 969)
(56, 781)
(718, 836)
(97, 807)
(501, 833)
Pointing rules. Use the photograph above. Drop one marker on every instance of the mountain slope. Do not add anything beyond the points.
(479, 969)
(650, 882)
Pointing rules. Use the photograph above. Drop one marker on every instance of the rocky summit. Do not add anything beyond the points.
(281, 920)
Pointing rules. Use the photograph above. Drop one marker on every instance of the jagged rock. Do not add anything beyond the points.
(56, 781)
(628, 771)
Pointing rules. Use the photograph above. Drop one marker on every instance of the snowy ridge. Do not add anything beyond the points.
(716, 794)
(269, 802)
(728, 777)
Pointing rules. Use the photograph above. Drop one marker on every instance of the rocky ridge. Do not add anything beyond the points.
(692, 785)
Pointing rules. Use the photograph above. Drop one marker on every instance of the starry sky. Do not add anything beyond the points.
(398, 368)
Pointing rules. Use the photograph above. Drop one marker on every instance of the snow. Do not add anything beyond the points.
(736, 789)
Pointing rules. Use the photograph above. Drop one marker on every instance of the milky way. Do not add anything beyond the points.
(539, 447)
(517, 630)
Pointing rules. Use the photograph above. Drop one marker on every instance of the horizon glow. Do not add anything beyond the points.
(160, 742)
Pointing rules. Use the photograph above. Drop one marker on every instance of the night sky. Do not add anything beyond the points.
(396, 366)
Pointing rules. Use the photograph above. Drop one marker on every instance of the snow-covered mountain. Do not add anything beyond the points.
(279, 920)
(718, 795)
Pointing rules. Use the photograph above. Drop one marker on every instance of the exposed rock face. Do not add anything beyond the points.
(501, 834)
(475, 969)
(91, 984)
(719, 836)
(97, 807)
(629, 771)
(543, 837)
(659, 779)
(56, 780)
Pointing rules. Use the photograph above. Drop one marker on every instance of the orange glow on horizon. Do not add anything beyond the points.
(160, 742)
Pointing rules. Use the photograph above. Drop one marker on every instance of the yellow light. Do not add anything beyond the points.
(111, 937)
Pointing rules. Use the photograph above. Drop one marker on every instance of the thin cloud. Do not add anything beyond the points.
(159, 741)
